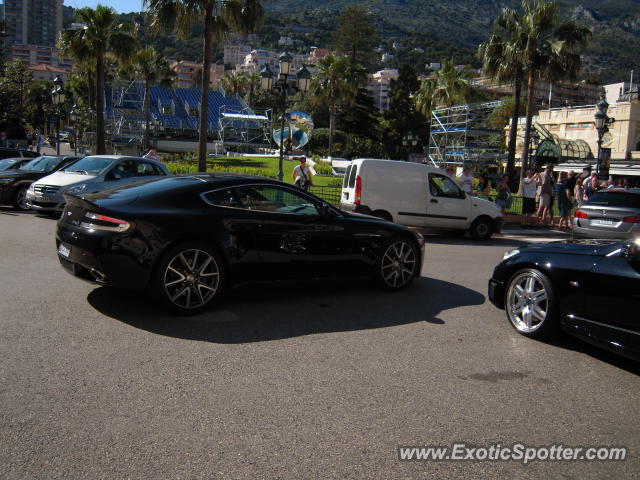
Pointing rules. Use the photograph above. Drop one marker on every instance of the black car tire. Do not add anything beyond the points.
(193, 268)
(537, 297)
(482, 228)
(19, 198)
(396, 265)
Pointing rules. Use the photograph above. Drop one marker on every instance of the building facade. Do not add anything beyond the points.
(32, 22)
(40, 55)
(185, 72)
(378, 84)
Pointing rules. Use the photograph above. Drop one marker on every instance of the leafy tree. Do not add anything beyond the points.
(38, 104)
(99, 40)
(362, 118)
(219, 17)
(451, 85)
(235, 83)
(13, 93)
(153, 68)
(335, 86)
(356, 36)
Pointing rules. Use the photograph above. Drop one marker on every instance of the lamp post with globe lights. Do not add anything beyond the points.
(58, 96)
(602, 123)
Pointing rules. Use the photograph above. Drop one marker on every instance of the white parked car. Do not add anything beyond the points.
(91, 174)
(416, 195)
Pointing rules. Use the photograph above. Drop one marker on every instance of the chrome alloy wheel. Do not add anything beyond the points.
(21, 199)
(398, 264)
(527, 302)
(191, 278)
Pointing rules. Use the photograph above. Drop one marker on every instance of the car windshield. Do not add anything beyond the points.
(89, 165)
(41, 164)
(615, 199)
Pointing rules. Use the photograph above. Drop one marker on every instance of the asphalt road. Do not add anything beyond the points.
(311, 381)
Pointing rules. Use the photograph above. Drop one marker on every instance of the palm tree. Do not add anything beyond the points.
(99, 39)
(451, 85)
(153, 68)
(548, 49)
(235, 83)
(336, 85)
(501, 60)
(219, 17)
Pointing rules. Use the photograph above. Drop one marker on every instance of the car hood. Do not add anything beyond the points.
(63, 179)
(482, 203)
(575, 247)
(20, 174)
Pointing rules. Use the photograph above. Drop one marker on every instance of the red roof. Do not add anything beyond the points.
(43, 67)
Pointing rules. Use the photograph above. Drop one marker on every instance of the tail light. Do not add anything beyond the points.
(632, 219)
(102, 222)
(358, 193)
(580, 214)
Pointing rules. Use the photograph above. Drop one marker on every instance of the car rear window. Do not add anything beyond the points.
(615, 199)
(352, 176)
(345, 180)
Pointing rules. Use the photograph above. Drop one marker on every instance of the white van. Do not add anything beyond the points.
(416, 195)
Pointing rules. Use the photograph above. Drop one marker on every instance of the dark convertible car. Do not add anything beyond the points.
(188, 237)
(589, 288)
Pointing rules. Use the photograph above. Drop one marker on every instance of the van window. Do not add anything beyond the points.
(352, 176)
(345, 180)
(441, 186)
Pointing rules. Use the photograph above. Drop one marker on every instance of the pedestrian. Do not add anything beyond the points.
(39, 141)
(302, 177)
(503, 199)
(529, 187)
(484, 186)
(466, 180)
(591, 185)
(578, 191)
(563, 200)
(545, 190)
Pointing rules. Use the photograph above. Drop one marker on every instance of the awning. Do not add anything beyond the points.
(242, 116)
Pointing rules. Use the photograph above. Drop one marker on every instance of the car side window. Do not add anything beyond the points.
(145, 169)
(226, 197)
(124, 169)
(276, 200)
(441, 186)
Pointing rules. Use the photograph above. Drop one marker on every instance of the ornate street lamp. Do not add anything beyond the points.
(57, 98)
(73, 116)
(602, 123)
(283, 87)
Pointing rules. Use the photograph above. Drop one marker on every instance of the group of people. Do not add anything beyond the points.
(541, 192)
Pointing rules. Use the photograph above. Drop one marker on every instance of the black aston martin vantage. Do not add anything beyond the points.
(187, 238)
(588, 288)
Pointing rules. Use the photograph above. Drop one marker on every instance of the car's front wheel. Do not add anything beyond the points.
(189, 278)
(530, 304)
(397, 264)
(20, 198)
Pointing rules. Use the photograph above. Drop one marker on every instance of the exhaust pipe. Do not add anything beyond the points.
(98, 275)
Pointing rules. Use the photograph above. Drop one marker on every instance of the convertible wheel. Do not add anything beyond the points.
(20, 199)
(530, 304)
(396, 266)
(189, 278)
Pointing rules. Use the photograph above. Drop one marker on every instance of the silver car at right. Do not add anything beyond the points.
(613, 213)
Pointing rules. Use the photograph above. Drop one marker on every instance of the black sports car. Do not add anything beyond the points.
(188, 237)
(14, 183)
(589, 288)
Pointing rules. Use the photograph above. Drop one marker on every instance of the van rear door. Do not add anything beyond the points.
(349, 188)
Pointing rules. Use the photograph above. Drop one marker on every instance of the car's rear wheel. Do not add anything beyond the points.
(20, 198)
(189, 278)
(530, 304)
(397, 264)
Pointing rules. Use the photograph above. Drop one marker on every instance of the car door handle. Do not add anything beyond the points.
(433, 200)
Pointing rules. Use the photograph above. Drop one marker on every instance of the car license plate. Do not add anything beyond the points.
(603, 221)
(42, 199)
(63, 250)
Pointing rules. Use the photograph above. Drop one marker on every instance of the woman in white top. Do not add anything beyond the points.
(529, 187)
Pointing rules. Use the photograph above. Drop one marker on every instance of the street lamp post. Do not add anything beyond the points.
(602, 122)
(283, 87)
(73, 116)
(57, 96)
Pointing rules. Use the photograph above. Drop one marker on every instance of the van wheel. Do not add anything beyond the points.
(383, 215)
(482, 228)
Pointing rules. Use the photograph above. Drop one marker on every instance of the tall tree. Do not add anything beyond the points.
(501, 57)
(153, 68)
(235, 83)
(336, 86)
(13, 92)
(451, 85)
(99, 40)
(219, 17)
(550, 49)
(356, 36)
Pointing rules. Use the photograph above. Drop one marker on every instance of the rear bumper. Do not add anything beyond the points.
(589, 232)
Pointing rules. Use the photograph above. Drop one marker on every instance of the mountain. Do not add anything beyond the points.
(464, 24)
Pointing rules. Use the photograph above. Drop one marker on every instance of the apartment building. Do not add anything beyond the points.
(186, 70)
(378, 84)
(32, 22)
(40, 55)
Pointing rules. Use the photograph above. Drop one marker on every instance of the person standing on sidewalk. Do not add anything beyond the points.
(466, 181)
(545, 190)
(301, 175)
(563, 200)
(529, 187)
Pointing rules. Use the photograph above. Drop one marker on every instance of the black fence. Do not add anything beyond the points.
(328, 194)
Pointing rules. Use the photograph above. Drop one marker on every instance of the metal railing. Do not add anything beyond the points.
(328, 194)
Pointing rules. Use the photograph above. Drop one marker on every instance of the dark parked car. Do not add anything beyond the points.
(188, 237)
(15, 152)
(611, 213)
(588, 288)
(13, 163)
(14, 183)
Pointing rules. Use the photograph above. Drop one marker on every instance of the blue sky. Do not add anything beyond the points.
(121, 6)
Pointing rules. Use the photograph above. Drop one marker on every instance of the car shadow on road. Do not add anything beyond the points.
(255, 313)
